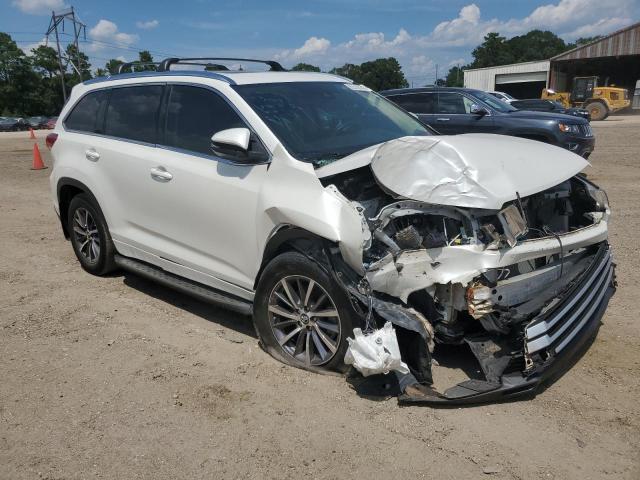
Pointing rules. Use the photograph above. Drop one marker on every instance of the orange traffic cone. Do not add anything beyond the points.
(32, 135)
(38, 164)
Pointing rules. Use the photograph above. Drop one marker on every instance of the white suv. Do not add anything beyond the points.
(318, 206)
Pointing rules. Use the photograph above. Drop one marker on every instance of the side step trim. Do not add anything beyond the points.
(197, 290)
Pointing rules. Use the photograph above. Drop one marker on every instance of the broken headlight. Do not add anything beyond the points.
(598, 195)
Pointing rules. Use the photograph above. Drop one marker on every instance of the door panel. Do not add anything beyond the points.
(204, 216)
(453, 115)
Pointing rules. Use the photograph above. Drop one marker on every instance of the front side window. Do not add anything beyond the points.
(133, 112)
(194, 115)
(320, 122)
(452, 103)
(85, 115)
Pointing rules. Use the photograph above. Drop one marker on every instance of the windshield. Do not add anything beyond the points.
(320, 122)
(493, 102)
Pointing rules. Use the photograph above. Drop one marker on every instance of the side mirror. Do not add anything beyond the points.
(234, 139)
(476, 109)
(237, 145)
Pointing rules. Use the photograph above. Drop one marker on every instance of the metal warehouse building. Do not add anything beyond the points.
(614, 59)
(522, 80)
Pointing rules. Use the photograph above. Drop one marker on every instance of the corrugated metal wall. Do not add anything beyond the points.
(485, 78)
(622, 42)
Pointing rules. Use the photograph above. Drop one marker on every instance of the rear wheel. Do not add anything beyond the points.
(597, 110)
(301, 316)
(90, 236)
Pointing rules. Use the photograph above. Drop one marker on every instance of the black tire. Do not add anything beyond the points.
(598, 111)
(293, 266)
(102, 262)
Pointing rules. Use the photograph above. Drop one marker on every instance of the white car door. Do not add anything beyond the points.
(189, 211)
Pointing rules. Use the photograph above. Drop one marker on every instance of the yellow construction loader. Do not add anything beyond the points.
(599, 101)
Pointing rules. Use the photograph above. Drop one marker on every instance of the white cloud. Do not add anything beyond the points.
(106, 31)
(312, 47)
(39, 7)
(147, 25)
(601, 27)
(444, 45)
(567, 18)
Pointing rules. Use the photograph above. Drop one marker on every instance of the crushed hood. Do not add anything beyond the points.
(471, 170)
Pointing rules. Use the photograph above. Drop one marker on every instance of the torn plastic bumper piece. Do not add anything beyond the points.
(577, 319)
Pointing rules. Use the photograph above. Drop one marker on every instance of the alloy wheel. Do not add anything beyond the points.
(304, 320)
(85, 232)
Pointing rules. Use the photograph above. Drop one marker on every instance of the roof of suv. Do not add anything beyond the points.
(231, 77)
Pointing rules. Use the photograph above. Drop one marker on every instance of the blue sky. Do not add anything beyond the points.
(420, 33)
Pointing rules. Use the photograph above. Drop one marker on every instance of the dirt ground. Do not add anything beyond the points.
(120, 378)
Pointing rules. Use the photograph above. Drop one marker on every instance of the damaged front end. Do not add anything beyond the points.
(523, 285)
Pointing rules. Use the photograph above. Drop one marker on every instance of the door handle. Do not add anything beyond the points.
(92, 155)
(160, 174)
(443, 119)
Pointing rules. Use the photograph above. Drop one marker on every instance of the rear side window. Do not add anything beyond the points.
(423, 103)
(85, 115)
(194, 115)
(133, 113)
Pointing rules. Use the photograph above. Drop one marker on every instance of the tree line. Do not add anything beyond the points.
(31, 84)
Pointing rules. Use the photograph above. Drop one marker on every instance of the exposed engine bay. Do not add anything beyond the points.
(487, 278)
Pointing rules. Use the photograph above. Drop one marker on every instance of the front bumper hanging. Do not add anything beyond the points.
(554, 340)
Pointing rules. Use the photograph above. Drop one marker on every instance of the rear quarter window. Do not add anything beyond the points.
(85, 115)
(132, 113)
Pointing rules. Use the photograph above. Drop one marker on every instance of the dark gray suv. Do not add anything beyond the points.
(462, 110)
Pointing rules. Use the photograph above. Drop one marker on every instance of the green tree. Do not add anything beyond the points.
(19, 83)
(45, 60)
(144, 57)
(305, 67)
(113, 65)
(455, 77)
(535, 45)
(380, 74)
(585, 40)
(82, 64)
(101, 72)
(493, 51)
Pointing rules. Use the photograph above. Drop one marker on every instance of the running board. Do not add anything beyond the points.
(197, 290)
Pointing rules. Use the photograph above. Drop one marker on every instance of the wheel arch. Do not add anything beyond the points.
(68, 188)
(289, 238)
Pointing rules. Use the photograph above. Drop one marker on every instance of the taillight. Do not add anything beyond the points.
(51, 139)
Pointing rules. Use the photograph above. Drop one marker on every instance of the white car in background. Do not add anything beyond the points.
(502, 96)
(318, 206)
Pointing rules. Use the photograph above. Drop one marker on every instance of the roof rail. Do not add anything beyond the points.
(130, 65)
(165, 65)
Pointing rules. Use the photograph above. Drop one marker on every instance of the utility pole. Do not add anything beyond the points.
(79, 28)
(436, 82)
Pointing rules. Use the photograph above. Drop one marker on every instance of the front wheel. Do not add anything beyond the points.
(597, 110)
(301, 315)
